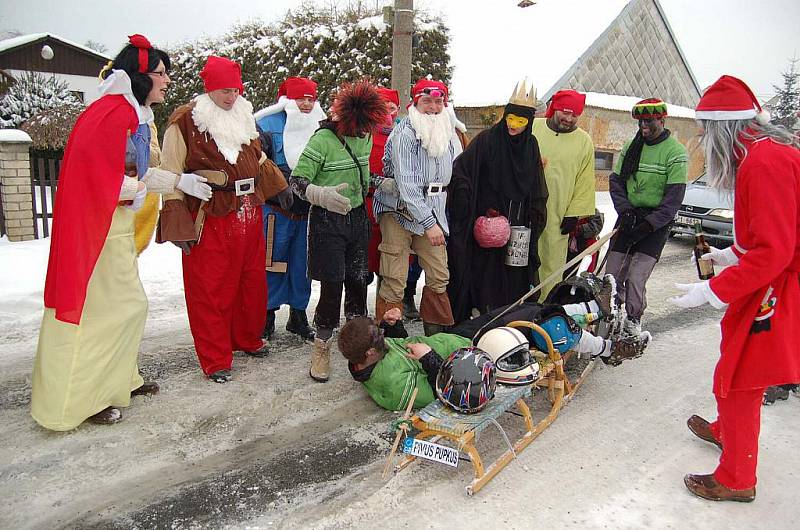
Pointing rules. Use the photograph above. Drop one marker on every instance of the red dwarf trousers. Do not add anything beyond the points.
(226, 288)
(737, 427)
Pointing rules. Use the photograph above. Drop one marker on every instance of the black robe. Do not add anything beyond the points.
(479, 277)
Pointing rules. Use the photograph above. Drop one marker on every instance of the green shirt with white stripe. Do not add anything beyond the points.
(325, 162)
(664, 163)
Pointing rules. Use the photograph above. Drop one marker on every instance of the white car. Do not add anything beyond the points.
(712, 208)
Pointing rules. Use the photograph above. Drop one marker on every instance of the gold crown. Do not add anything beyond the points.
(522, 96)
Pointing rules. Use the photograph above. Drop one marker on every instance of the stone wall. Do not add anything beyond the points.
(15, 184)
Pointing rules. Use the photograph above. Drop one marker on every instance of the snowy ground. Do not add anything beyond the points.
(273, 449)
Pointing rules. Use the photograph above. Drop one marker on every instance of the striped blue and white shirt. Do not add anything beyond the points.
(408, 163)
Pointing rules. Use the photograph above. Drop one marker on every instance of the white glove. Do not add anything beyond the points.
(388, 186)
(723, 257)
(329, 197)
(138, 201)
(696, 294)
(194, 185)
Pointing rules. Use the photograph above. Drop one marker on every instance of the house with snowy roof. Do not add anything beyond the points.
(50, 54)
(616, 51)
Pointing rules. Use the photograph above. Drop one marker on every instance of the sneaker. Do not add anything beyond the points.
(775, 393)
(626, 347)
(220, 376)
(632, 327)
(298, 324)
(607, 297)
(263, 351)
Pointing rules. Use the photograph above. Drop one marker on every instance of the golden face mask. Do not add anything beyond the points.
(516, 122)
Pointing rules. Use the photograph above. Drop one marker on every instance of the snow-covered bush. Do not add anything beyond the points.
(50, 128)
(30, 94)
(326, 46)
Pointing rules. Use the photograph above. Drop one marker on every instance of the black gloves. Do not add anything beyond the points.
(641, 231)
(627, 221)
(568, 224)
(286, 198)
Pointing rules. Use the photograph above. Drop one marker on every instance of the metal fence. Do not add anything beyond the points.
(45, 165)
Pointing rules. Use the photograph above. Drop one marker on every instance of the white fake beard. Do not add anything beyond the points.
(299, 129)
(230, 129)
(433, 130)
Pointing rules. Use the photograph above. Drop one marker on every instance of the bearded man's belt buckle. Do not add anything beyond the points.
(245, 186)
(435, 189)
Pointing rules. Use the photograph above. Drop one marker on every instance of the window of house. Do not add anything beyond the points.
(603, 161)
(78, 95)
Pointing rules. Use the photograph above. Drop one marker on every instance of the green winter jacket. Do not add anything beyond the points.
(394, 377)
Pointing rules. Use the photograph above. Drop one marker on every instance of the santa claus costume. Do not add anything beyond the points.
(224, 251)
(759, 289)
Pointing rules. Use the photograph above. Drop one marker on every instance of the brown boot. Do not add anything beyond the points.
(320, 361)
(435, 308)
(707, 487)
(107, 416)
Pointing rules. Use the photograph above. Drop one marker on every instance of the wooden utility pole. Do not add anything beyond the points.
(401, 49)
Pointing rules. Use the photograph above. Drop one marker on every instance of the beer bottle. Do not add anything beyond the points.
(705, 267)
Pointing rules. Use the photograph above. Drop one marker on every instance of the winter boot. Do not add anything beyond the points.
(148, 388)
(263, 351)
(107, 416)
(320, 361)
(607, 297)
(410, 311)
(626, 347)
(632, 327)
(298, 324)
(269, 328)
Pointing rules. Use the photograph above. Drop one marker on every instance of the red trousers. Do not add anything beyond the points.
(226, 288)
(737, 427)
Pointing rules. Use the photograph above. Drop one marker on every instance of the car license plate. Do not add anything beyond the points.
(683, 220)
(431, 451)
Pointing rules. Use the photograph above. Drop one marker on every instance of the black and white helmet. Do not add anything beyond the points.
(509, 350)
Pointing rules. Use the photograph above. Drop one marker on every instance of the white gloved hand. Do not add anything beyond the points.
(194, 185)
(388, 185)
(696, 294)
(329, 197)
(138, 201)
(723, 257)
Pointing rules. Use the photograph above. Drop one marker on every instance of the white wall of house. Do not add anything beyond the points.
(77, 83)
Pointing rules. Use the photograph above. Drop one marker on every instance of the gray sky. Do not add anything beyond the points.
(751, 39)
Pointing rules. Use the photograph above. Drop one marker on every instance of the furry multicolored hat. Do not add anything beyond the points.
(648, 109)
(358, 108)
(729, 98)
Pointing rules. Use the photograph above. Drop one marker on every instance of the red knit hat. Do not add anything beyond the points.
(298, 88)
(566, 101)
(390, 95)
(427, 87)
(729, 98)
(220, 72)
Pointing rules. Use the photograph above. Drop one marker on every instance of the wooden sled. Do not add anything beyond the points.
(439, 423)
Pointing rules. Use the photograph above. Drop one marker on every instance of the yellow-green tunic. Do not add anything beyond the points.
(80, 370)
(568, 160)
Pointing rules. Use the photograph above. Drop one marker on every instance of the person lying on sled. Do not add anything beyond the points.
(390, 364)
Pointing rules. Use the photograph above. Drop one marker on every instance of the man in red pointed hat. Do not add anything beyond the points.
(759, 288)
(285, 128)
(222, 238)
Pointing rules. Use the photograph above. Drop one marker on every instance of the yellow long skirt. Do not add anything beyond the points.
(80, 370)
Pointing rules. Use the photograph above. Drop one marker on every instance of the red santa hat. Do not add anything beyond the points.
(566, 101)
(220, 72)
(428, 87)
(729, 98)
(389, 95)
(298, 88)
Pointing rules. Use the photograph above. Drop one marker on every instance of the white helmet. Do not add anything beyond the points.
(509, 350)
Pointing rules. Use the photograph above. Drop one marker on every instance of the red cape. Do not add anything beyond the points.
(87, 194)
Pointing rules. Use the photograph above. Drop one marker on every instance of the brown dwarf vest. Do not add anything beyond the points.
(202, 153)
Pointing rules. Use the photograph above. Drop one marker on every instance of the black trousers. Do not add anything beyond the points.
(337, 258)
